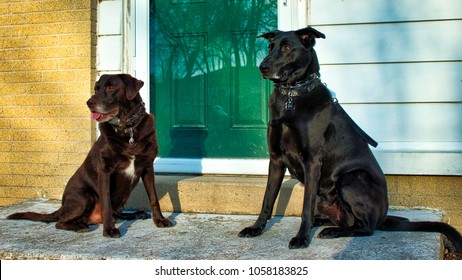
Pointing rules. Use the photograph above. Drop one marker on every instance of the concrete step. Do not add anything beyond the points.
(218, 195)
(206, 237)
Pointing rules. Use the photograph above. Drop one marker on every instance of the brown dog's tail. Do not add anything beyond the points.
(393, 223)
(33, 216)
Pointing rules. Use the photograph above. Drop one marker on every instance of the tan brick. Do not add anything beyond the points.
(47, 181)
(25, 123)
(42, 41)
(12, 180)
(66, 123)
(26, 7)
(59, 76)
(13, 112)
(9, 201)
(12, 89)
(12, 42)
(61, 5)
(56, 99)
(5, 8)
(44, 88)
(5, 100)
(5, 146)
(5, 134)
(25, 100)
(26, 77)
(5, 123)
(76, 63)
(56, 111)
(34, 135)
(27, 169)
(22, 146)
(72, 158)
(6, 31)
(75, 40)
(5, 168)
(61, 16)
(35, 158)
(74, 135)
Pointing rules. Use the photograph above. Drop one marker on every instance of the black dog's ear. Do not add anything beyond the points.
(308, 35)
(270, 35)
(132, 86)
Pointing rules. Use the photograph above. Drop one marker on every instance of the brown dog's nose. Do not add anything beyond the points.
(91, 102)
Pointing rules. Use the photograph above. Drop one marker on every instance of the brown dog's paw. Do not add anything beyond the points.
(298, 243)
(162, 223)
(251, 232)
(112, 233)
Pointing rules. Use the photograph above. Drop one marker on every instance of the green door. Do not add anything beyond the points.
(206, 90)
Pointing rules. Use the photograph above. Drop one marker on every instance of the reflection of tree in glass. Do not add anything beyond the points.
(184, 52)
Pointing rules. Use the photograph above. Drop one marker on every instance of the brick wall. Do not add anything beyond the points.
(435, 192)
(47, 71)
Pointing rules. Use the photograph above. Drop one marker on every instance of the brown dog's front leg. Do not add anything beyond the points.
(149, 184)
(109, 229)
(312, 175)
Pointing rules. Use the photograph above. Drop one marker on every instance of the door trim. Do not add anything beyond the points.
(211, 166)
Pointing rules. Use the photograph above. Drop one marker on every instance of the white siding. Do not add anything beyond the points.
(396, 66)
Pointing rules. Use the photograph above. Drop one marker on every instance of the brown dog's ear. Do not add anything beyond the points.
(132, 86)
(307, 36)
(270, 35)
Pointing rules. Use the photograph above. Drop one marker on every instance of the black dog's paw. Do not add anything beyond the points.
(112, 233)
(251, 232)
(163, 223)
(298, 243)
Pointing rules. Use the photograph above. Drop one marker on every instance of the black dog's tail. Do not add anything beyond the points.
(393, 223)
(33, 216)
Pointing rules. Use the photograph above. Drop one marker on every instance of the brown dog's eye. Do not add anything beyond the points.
(110, 88)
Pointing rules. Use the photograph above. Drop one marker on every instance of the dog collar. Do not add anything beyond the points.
(295, 90)
(309, 84)
(130, 123)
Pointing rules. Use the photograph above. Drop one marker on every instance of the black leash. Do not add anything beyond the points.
(355, 127)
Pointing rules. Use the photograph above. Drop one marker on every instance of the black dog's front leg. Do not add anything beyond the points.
(312, 175)
(275, 177)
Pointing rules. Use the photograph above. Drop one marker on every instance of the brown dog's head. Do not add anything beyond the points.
(291, 55)
(112, 92)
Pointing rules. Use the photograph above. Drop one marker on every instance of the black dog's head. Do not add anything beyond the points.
(291, 55)
(112, 94)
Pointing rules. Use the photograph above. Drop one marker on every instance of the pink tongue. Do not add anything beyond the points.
(95, 116)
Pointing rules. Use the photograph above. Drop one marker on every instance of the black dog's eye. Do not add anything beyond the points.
(270, 47)
(110, 88)
(287, 48)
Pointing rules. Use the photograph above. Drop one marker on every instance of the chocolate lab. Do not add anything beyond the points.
(310, 134)
(122, 155)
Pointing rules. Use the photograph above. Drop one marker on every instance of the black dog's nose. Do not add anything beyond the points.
(264, 67)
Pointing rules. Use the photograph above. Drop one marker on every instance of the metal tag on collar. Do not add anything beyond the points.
(289, 106)
(132, 140)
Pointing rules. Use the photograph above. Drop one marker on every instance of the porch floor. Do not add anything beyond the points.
(205, 236)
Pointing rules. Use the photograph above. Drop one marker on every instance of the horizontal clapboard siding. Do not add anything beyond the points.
(396, 67)
(377, 11)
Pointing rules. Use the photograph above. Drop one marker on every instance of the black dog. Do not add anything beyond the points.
(311, 135)
(122, 155)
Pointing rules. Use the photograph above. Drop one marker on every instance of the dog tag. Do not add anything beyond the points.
(131, 140)
(289, 106)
